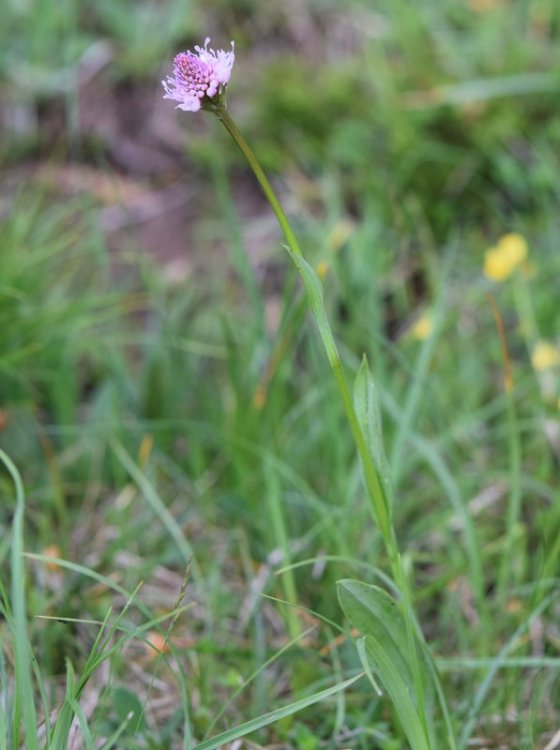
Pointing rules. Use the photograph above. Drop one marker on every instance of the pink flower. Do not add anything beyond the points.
(198, 78)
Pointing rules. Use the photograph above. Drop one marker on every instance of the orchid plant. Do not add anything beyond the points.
(392, 648)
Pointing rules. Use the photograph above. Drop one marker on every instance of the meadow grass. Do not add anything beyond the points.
(181, 494)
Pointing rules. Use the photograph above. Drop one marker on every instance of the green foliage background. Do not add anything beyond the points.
(143, 408)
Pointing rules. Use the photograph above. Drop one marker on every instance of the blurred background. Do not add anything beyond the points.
(160, 380)
(440, 117)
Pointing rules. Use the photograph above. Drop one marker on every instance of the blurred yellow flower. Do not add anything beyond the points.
(545, 356)
(423, 327)
(322, 269)
(502, 260)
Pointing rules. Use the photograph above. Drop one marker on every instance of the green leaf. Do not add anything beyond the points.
(375, 613)
(314, 290)
(378, 616)
(368, 411)
(399, 689)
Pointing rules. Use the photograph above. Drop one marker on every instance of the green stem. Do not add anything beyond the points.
(247, 152)
(378, 502)
(376, 493)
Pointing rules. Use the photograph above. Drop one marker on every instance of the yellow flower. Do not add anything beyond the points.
(545, 356)
(423, 327)
(322, 269)
(501, 261)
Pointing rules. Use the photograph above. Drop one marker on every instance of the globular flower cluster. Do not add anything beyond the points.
(199, 79)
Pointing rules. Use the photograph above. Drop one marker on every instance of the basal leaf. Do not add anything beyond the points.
(375, 613)
(382, 655)
(379, 618)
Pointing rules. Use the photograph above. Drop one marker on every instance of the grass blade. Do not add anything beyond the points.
(24, 706)
(280, 713)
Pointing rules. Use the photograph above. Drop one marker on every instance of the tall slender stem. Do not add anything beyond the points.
(378, 502)
(247, 151)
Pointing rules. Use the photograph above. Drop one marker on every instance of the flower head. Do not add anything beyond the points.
(545, 356)
(422, 328)
(200, 78)
(501, 261)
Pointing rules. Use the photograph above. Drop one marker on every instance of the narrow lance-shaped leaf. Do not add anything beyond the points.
(368, 411)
